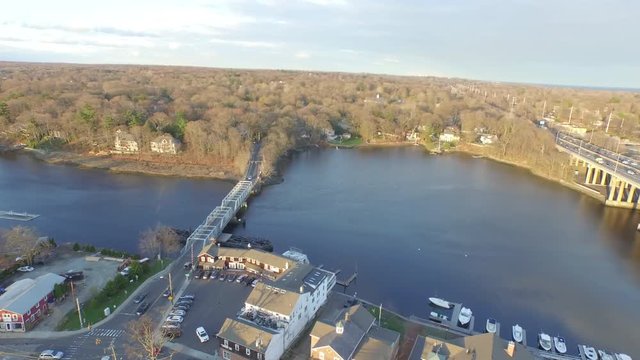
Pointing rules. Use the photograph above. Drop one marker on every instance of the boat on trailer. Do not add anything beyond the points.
(492, 325)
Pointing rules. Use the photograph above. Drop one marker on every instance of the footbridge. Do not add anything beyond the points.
(213, 225)
(615, 176)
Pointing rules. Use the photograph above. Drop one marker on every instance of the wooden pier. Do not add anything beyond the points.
(346, 282)
(12, 215)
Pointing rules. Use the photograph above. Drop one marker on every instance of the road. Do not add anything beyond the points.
(623, 166)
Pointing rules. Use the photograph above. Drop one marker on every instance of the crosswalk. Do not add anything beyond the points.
(114, 333)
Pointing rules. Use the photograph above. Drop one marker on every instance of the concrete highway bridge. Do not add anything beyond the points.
(615, 176)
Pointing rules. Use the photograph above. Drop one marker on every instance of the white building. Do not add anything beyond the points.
(449, 136)
(165, 144)
(488, 139)
(275, 313)
(125, 143)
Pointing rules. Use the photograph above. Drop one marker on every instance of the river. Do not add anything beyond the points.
(503, 242)
(98, 207)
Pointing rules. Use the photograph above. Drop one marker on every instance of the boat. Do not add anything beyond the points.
(518, 333)
(560, 344)
(492, 325)
(477, 156)
(441, 303)
(465, 316)
(622, 357)
(589, 352)
(437, 317)
(544, 340)
(605, 356)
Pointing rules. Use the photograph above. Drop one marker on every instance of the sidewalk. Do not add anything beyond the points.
(196, 354)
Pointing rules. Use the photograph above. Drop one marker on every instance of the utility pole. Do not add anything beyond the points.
(622, 123)
(544, 108)
(608, 122)
(570, 113)
(73, 294)
(170, 288)
(380, 315)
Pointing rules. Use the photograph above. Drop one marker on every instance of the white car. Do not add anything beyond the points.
(175, 318)
(178, 313)
(202, 334)
(631, 172)
(51, 354)
(600, 160)
(25, 268)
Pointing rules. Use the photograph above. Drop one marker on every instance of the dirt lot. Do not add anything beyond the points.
(96, 273)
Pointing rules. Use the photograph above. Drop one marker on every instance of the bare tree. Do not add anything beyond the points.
(159, 241)
(22, 241)
(144, 341)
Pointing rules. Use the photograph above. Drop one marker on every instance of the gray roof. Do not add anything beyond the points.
(385, 335)
(25, 293)
(355, 328)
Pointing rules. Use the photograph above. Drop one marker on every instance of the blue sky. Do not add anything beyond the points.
(574, 42)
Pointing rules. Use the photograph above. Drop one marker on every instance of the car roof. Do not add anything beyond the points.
(200, 328)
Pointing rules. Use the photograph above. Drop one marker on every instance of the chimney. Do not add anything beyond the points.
(511, 348)
(339, 327)
(346, 316)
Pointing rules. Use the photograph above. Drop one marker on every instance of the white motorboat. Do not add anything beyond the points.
(441, 303)
(492, 325)
(465, 316)
(622, 357)
(544, 340)
(605, 356)
(560, 344)
(518, 333)
(437, 317)
(589, 352)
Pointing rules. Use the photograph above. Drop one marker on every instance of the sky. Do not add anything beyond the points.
(567, 42)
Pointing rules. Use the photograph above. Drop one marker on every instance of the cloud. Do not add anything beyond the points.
(302, 55)
(246, 43)
(327, 2)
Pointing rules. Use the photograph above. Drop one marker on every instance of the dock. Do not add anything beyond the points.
(346, 282)
(12, 215)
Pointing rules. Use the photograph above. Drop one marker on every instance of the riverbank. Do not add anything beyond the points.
(148, 165)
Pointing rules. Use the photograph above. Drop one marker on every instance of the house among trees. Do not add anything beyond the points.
(450, 135)
(26, 301)
(125, 143)
(487, 139)
(352, 334)
(165, 144)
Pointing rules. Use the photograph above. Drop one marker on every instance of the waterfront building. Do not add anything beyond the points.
(26, 301)
(475, 347)
(277, 310)
(165, 144)
(450, 135)
(352, 334)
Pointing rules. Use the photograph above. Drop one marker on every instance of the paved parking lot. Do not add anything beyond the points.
(215, 301)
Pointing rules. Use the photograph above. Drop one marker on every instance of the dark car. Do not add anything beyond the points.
(138, 299)
(185, 301)
(187, 297)
(198, 274)
(166, 293)
(181, 307)
(188, 265)
(73, 275)
(142, 308)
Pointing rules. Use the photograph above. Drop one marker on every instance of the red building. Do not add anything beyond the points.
(26, 301)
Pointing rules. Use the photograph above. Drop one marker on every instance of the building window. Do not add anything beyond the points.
(14, 317)
(237, 347)
(321, 355)
(226, 342)
(226, 355)
(248, 351)
(6, 317)
(259, 356)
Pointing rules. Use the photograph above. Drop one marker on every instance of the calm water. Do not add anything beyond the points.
(503, 242)
(98, 207)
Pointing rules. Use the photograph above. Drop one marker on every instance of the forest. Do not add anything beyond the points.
(217, 113)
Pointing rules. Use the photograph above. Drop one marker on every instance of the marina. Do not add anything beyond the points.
(18, 216)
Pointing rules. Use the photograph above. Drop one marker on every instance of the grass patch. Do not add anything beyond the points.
(114, 293)
(354, 141)
(389, 320)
